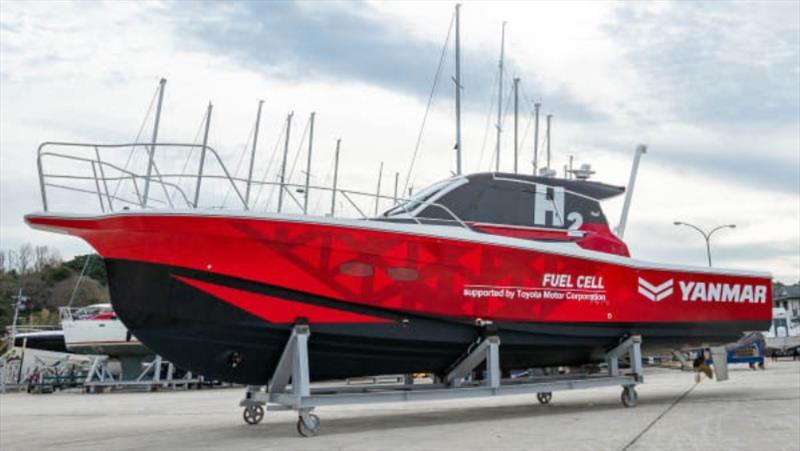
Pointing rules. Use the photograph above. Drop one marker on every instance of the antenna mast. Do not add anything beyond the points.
(641, 149)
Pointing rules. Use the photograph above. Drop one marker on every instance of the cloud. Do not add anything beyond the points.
(613, 74)
(720, 63)
(334, 42)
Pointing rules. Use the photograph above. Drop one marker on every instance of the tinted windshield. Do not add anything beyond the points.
(418, 199)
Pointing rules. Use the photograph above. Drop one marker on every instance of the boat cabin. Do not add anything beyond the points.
(519, 206)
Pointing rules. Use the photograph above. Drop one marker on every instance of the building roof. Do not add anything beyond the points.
(782, 293)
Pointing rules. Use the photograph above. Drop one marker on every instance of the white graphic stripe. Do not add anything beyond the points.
(643, 291)
(663, 295)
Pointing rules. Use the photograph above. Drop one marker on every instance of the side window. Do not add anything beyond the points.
(504, 202)
(462, 201)
(583, 210)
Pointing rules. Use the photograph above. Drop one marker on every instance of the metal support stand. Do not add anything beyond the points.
(290, 387)
(98, 375)
(487, 351)
(719, 355)
(100, 378)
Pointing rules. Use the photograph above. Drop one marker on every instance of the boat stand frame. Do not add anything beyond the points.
(99, 378)
(293, 367)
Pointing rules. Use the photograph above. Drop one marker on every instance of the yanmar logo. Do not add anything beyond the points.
(653, 292)
(738, 293)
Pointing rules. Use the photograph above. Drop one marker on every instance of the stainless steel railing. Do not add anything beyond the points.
(63, 166)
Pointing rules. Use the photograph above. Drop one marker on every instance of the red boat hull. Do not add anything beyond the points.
(388, 298)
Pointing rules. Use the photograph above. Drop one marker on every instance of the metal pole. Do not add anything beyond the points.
(708, 249)
(203, 155)
(103, 176)
(570, 167)
(641, 149)
(378, 192)
(500, 99)
(283, 165)
(252, 158)
(549, 118)
(162, 83)
(308, 164)
(14, 322)
(335, 176)
(458, 91)
(516, 122)
(536, 107)
(396, 180)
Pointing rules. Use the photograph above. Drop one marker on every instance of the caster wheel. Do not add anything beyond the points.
(308, 425)
(544, 398)
(253, 414)
(629, 396)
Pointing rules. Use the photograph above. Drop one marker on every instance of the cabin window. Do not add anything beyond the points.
(513, 203)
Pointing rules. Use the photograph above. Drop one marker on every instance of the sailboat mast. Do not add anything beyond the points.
(516, 122)
(161, 84)
(308, 163)
(252, 157)
(549, 118)
(500, 98)
(203, 155)
(335, 176)
(396, 181)
(378, 191)
(283, 165)
(458, 89)
(536, 107)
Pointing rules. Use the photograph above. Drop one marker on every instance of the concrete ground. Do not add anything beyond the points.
(753, 410)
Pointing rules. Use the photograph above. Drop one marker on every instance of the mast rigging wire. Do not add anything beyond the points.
(239, 164)
(138, 135)
(489, 115)
(502, 121)
(188, 157)
(287, 180)
(430, 101)
(269, 166)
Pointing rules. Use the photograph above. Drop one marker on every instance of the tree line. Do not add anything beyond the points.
(48, 282)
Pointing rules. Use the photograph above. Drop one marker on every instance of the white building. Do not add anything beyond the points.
(788, 298)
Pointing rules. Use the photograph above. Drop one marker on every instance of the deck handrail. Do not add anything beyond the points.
(169, 181)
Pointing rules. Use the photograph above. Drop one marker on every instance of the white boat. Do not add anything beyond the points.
(782, 336)
(95, 329)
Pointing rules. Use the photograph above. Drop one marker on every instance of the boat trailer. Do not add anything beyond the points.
(293, 367)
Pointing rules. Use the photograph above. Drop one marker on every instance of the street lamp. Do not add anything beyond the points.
(707, 236)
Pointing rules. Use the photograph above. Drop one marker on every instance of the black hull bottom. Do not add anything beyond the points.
(201, 333)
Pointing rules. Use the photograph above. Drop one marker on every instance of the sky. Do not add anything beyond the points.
(712, 88)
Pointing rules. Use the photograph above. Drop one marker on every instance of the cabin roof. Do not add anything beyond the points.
(595, 190)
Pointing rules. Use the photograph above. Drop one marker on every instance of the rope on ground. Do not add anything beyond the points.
(659, 417)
